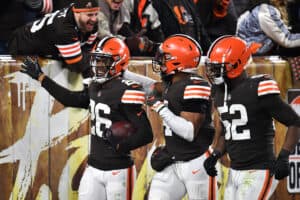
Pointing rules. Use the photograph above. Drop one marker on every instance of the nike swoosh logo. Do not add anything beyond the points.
(114, 173)
(195, 171)
(139, 113)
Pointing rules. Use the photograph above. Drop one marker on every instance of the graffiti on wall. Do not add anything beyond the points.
(49, 146)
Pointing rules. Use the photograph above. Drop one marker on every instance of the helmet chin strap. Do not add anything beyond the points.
(225, 95)
(220, 80)
(106, 78)
(167, 78)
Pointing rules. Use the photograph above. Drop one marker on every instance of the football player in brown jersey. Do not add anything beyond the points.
(247, 106)
(118, 122)
(182, 101)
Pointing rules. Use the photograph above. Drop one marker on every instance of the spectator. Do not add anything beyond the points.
(144, 22)
(111, 100)
(13, 14)
(293, 9)
(134, 21)
(183, 103)
(67, 34)
(264, 24)
(218, 17)
(241, 6)
(180, 17)
(247, 106)
(60, 4)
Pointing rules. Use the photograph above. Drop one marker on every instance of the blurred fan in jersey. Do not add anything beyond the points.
(67, 34)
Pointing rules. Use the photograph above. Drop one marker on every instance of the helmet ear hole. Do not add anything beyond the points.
(178, 52)
(236, 65)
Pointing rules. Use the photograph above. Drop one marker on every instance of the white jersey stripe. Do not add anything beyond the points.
(196, 92)
(267, 87)
(70, 50)
(65, 51)
(133, 96)
(196, 97)
(92, 38)
(68, 46)
(71, 54)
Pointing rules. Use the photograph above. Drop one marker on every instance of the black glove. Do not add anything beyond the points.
(210, 163)
(161, 158)
(155, 100)
(32, 68)
(110, 138)
(282, 167)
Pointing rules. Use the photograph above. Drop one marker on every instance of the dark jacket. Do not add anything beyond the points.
(179, 16)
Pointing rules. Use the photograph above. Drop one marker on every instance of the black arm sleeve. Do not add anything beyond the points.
(137, 116)
(79, 99)
(280, 110)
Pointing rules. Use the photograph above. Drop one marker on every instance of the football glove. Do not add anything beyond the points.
(282, 167)
(110, 138)
(210, 163)
(32, 68)
(161, 158)
(155, 100)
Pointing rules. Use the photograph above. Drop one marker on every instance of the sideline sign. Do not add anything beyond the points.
(293, 181)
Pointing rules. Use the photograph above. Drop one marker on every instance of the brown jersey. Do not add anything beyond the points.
(112, 101)
(57, 36)
(248, 124)
(191, 95)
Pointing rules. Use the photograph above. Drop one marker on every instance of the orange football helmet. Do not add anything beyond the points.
(227, 58)
(109, 58)
(178, 52)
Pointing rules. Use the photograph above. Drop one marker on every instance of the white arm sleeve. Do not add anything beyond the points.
(273, 26)
(146, 82)
(177, 124)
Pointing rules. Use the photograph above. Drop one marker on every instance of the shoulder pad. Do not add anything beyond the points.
(197, 91)
(197, 80)
(131, 84)
(266, 85)
(261, 76)
(133, 96)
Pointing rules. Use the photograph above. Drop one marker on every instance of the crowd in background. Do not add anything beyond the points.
(143, 24)
(82, 34)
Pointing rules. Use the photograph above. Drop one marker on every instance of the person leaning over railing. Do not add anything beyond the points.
(67, 34)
